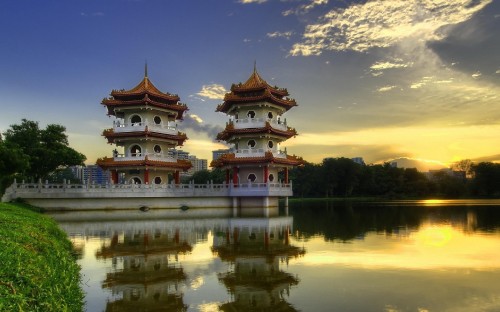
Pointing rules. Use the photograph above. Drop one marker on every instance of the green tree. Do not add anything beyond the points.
(12, 162)
(46, 149)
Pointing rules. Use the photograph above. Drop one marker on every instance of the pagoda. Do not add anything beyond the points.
(145, 130)
(255, 130)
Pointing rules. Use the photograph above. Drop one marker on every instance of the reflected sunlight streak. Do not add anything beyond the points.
(431, 246)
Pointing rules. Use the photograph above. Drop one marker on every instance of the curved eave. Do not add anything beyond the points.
(111, 135)
(231, 99)
(231, 159)
(145, 87)
(110, 163)
(268, 129)
(111, 104)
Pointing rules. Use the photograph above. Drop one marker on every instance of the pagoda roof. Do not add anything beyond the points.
(231, 159)
(145, 93)
(114, 102)
(111, 135)
(145, 87)
(230, 131)
(253, 90)
(108, 163)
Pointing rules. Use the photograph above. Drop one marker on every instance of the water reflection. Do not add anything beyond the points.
(257, 248)
(323, 256)
(145, 271)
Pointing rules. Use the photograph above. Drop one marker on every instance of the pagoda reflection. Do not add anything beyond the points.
(257, 248)
(146, 274)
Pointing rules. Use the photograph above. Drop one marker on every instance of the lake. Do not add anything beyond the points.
(314, 256)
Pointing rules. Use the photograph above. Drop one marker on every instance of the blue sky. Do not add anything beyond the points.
(417, 79)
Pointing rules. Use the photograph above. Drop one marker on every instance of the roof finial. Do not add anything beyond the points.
(255, 66)
(146, 69)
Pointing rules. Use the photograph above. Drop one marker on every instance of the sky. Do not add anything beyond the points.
(413, 80)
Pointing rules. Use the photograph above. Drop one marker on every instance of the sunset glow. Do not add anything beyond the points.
(382, 79)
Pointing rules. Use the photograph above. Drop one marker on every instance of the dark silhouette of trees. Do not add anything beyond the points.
(342, 177)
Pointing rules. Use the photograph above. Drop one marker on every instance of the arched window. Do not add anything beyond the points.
(251, 114)
(270, 144)
(252, 177)
(135, 151)
(135, 120)
(251, 143)
(157, 120)
(271, 177)
(157, 180)
(135, 180)
(157, 149)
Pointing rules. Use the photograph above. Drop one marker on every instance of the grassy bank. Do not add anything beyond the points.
(38, 271)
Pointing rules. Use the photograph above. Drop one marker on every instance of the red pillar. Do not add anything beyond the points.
(227, 176)
(146, 176)
(235, 176)
(266, 240)
(287, 236)
(266, 173)
(286, 175)
(177, 177)
(235, 235)
(114, 176)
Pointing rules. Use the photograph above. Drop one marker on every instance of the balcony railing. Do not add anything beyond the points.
(142, 156)
(141, 126)
(258, 123)
(258, 152)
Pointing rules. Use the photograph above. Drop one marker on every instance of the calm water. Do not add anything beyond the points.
(320, 256)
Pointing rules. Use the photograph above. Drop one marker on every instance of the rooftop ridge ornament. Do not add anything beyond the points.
(146, 69)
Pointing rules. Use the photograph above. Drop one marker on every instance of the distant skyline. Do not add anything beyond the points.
(382, 79)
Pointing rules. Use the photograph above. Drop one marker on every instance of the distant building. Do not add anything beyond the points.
(91, 174)
(217, 153)
(178, 154)
(358, 160)
(434, 174)
(197, 165)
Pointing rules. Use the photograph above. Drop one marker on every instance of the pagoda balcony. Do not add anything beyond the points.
(142, 126)
(258, 152)
(245, 123)
(142, 156)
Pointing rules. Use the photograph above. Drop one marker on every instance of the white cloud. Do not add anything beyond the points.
(302, 9)
(476, 75)
(277, 34)
(386, 88)
(383, 23)
(498, 71)
(252, 1)
(213, 91)
(398, 63)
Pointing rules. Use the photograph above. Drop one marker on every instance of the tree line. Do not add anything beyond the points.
(342, 177)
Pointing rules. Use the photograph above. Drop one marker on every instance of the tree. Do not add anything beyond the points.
(464, 165)
(12, 162)
(46, 149)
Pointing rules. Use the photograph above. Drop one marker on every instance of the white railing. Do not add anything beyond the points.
(142, 156)
(258, 152)
(244, 123)
(108, 190)
(141, 126)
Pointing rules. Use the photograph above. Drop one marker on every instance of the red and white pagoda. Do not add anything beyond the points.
(255, 130)
(145, 130)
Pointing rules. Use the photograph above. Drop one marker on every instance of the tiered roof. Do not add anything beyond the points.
(268, 158)
(109, 162)
(230, 131)
(145, 93)
(111, 135)
(253, 90)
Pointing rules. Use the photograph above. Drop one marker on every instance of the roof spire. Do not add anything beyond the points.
(146, 69)
(255, 66)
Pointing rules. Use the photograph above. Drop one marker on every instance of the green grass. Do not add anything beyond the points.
(38, 271)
